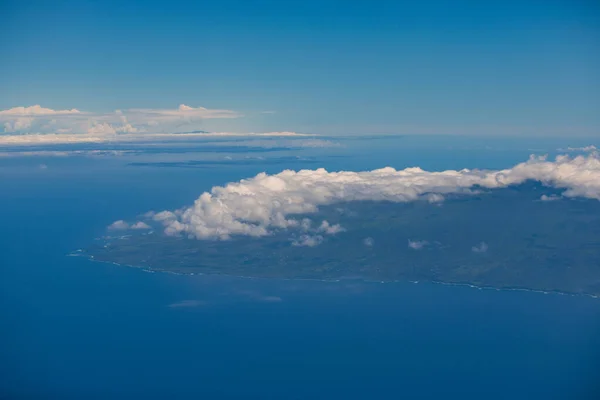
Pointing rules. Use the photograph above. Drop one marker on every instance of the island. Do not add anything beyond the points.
(522, 237)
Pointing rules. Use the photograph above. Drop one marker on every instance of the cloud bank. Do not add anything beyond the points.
(104, 135)
(40, 120)
(260, 205)
(590, 148)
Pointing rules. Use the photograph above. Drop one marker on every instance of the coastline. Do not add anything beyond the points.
(79, 253)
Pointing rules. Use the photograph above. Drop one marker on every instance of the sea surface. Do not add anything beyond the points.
(75, 329)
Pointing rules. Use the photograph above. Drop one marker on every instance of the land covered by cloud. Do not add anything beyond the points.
(266, 203)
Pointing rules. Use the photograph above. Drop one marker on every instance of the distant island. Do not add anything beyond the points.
(507, 239)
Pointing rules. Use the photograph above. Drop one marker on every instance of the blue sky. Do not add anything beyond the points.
(331, 67)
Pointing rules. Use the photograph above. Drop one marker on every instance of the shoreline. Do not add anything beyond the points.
(79, 253)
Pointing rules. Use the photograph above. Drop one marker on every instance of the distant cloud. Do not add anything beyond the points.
(329, 229)
(480, 248)
(102, 128)
(183, 113)
(311, 240)
(140, 225)
(417, 244)
(106, 133)
(268, 112)
(37, 119)
(435, 198)
(118, 225)
(369, 241)
(162, 216)
(549, 198)
(308, 240)
(35, 111)
(582, 149)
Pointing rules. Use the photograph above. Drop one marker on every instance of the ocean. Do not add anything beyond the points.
(77, 329)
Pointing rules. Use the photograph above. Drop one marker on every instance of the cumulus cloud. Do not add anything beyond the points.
(37, 119)
(308, 240)
(435, 198)
(417, 244)
(35, 111)
(101, 128)
(480, 248)
(140, 225)
(329, 229)
(119, 225)
(162, 216)
(258, 206)
(369, 241)
(549, 198)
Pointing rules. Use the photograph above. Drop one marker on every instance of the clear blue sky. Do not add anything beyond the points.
(334, 67)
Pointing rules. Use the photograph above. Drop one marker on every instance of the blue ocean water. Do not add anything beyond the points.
(74, 329)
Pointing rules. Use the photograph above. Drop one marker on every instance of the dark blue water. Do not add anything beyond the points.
(74, 329)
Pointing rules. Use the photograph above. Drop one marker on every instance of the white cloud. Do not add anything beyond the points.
(329, 229)
(182, 112)
(119, 225)
(549, 198)
(260, 205)
(37, 119)
(140, 225)
(104, 132)
(308, 240)
(369, 241)
(35, 111)
(417, 244)
(582, 149)
(435, 198)
(480, 248)
(162, 216)
(128, 128)
(101, 128)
